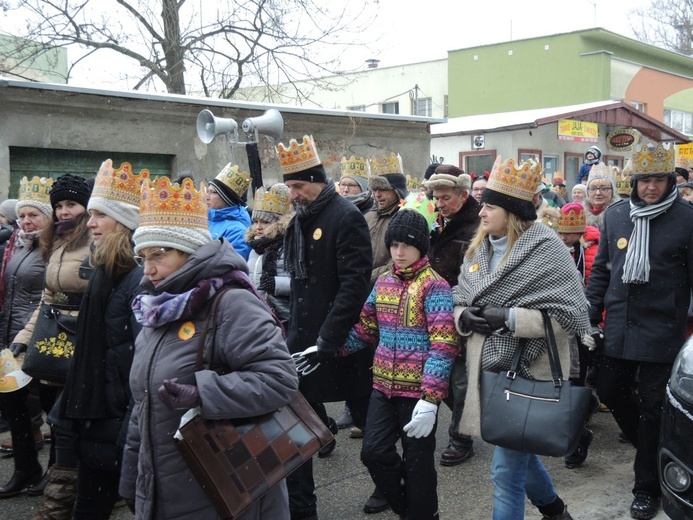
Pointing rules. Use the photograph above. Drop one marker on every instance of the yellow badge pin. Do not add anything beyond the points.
(186, 331)
(317, 234)
(622, 243)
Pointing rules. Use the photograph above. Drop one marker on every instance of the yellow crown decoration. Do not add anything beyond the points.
(353, 167)
(572, 219)
(236, 181)
(413, 184)
(651, 159)
(683, 162)
(36, 189)
(121, 185)
(298, 157)
(163, 204)
(520, 182)
(623, 179)
(272, 201)
(601, 171)
(386, 164)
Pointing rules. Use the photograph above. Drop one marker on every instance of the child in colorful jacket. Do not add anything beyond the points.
(408, 320)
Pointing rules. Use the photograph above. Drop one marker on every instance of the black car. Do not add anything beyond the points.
(676, 441)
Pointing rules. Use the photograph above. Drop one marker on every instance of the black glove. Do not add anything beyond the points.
(496, 317)
(177, 396)
(326, 350)
(267, 283)
(472, 320)
(597, 335)
(17, 348)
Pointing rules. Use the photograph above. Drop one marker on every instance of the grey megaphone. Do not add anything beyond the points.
(208, 126)
(269, 124)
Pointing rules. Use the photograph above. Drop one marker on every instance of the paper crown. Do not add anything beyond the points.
(572, 218)
(121, 185)
(163, 204)
(520, 182)
(558, 178)
(650, 159)
(36, 189)
(601, 171)
(11, 376)
(413, 184)
(353, 167)
(272, 201)
(683, 162)
(418, 201)
(298, 157)
(234, 180)
(623, 179)
(386, 164)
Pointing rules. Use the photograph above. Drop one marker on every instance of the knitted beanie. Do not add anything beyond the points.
(271, 205)
(512, 188)
(35, 193)
(390, 181)
(409, 227)
(117, 193)
(70, 187)
(226, 193)
(7, 210)
(361, 181)
(580, 187)
(181, 238)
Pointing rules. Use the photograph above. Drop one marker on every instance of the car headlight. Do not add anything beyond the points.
(681, 382)
(676, 477)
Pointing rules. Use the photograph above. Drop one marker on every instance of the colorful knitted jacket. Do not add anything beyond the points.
(408, 315)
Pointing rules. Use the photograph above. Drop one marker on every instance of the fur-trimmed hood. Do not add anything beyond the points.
(274, 230)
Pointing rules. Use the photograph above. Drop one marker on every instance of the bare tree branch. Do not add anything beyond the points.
(667, 24)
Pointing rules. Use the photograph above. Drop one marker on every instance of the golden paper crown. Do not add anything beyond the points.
(353, 167)
(520, 182)
(651, 159)
(298, 157)
(121, 185)
(623, 179)
(272, 201)
(234, 180)
(572, 219)
(413, 184)
(36, 189)
(683, 162)
(386, 164)
(163, 204)
(601, 170)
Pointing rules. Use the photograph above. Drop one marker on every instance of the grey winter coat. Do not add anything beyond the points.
(24, 275)
(251, 373)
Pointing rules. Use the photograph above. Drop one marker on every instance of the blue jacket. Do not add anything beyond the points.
(231, 222)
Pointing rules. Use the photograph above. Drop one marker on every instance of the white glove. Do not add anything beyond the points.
(588, 341)
(423, 419)
(306, 361)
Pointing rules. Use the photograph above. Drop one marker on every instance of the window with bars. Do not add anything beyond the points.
(679, 120)
(422, 107)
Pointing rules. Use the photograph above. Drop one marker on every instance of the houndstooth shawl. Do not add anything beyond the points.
(538, 274)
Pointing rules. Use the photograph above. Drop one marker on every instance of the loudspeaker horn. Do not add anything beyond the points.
(208, 126)
(269, 124)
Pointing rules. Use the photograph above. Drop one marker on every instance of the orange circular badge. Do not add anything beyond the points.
(413, 288)
(473, 268)
(622, 243)
(186, 331)
(317, 234)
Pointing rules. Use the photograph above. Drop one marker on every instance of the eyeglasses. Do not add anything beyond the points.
(477, 190)
(348, 185)
(153, 258)
(603, 189)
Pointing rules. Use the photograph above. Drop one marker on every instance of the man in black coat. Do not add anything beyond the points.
(458, 221)
(642, 276)
(328, 254)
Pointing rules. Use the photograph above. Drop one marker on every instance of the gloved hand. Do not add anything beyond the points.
(326, 350)
(423, 418)
(594, 340)
(306, 361)
(267, 283)
(178, 397)
(472, 320)
(496, 317)
(17, 348)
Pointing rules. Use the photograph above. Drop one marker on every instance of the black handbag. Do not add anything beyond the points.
(532, 416)
(52, 345)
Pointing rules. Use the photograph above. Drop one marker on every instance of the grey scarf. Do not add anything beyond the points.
(636, 269)
(294, 242)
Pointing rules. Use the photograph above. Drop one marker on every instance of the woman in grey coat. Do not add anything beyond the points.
(248, 369)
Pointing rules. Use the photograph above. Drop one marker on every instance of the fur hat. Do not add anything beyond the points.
(449, 176)
(7, 210)
(390, 181)
(409, 227)
(572, 218)
(70, 187)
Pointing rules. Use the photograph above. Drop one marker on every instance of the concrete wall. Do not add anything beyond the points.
(54, 116)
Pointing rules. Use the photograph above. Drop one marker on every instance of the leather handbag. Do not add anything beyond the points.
(236, 461)
(52, 345)
(533, 416)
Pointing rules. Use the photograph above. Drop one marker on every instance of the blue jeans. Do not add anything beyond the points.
(513, 474)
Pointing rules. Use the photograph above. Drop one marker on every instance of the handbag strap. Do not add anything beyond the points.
(551, 350)
(199, 363)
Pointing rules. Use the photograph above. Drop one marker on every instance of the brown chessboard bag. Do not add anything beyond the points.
(236, 461)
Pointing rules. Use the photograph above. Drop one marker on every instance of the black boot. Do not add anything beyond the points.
(376, 503)
(19, 481)
(327, 450)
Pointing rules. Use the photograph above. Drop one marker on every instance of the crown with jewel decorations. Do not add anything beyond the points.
(387, 164)
(601, 171)
(650, 159)
(37, 189)
(572, 218)
(353, 167)
(520, 182)
(413, 184)
(119, 185)
(275, 202)
(233, 179)
(623, 179)
(298, 157)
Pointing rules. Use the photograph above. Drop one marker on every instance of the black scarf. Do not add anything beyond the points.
(84, 396)
(294, 242)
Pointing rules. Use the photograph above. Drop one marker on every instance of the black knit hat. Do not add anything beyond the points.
(409, 227)
(313, 174)
(70, 187)
(226, 193)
